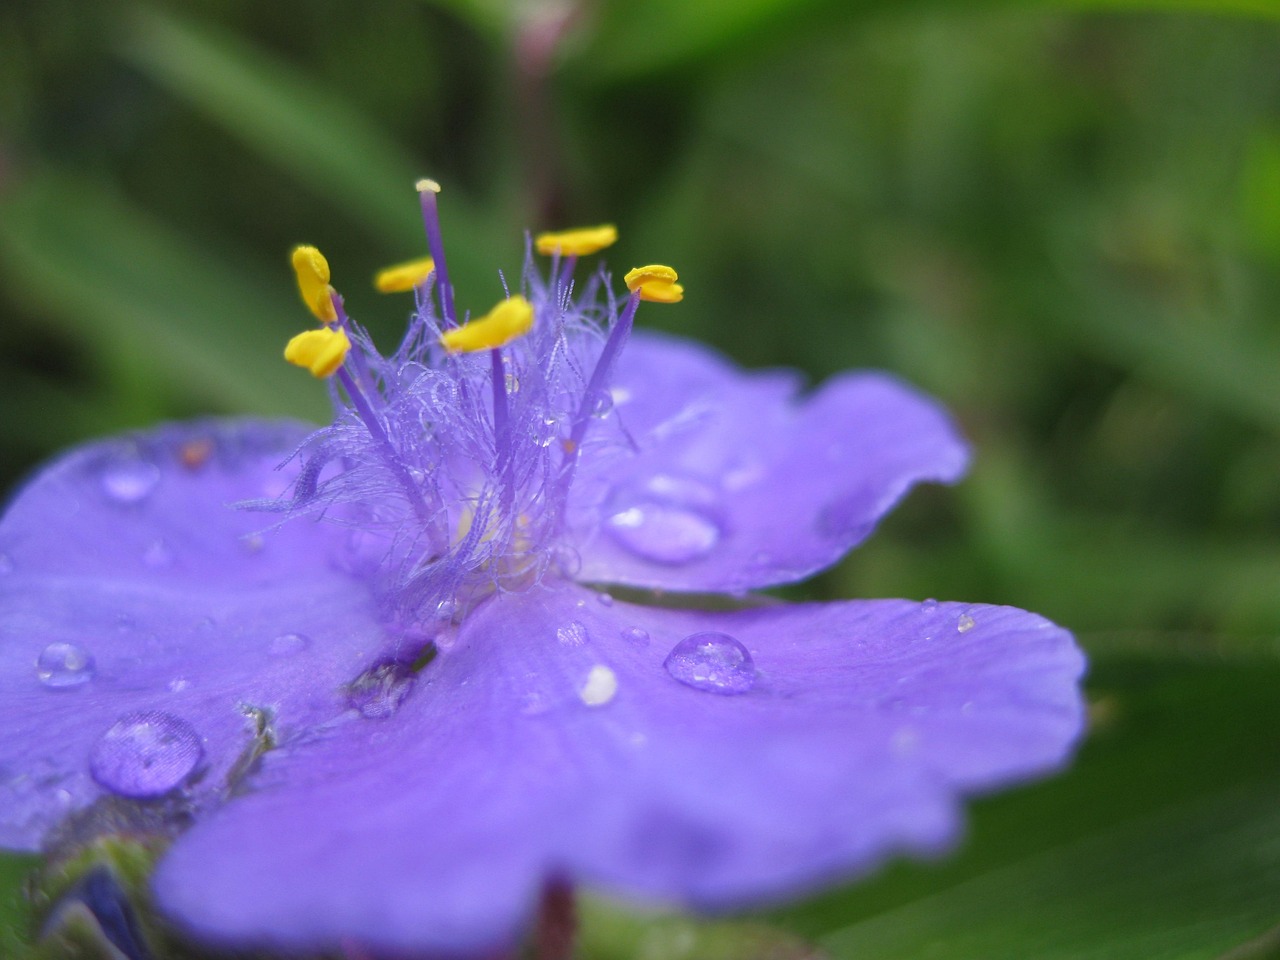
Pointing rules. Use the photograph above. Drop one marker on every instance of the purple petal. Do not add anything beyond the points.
(558, 738)
(735, 482)
(142, 620)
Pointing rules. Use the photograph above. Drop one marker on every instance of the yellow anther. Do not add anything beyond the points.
(656, 283)
(508, 320)
(313, 282)
(576, 243)
(320, 351)
(404, 276)
(427, 184)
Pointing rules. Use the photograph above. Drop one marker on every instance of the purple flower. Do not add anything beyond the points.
(394, 696)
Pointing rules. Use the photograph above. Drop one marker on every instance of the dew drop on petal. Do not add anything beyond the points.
(930, 605)
(178, 684)
(601, 686)
(64, 665)
(572, 635)
(287, 644)
(965, 623)
(606, 599)
(145, 754)
(636, 635)
(447, 609)
(129, 480)
(602, 404)
(378, 692)
(665, 532)
(715, 662)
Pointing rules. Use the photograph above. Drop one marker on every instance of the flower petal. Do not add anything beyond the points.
(512, 762)
(734, 482)
(130, 589)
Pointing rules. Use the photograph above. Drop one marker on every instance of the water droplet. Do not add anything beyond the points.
(665, 532)
(158, 555)
(64, 665)
(965, 623)
(572, 635)
(545, 431)
(619, 395)
(600, 688)
(145, 754)
(129, 481)
(287, 644)
(179, 684)
(447, 609)
(378, 692)
(602, 404)
(512, 383)
(636, 635)
(715, 662)
(606, 599)
(929, 605)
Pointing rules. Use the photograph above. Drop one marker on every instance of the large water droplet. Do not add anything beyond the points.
(287, 644)
(129, 480)
(378, 692)
(145, 754)
(665, 532)
(64, 665)
(715, 662)
(965, 623)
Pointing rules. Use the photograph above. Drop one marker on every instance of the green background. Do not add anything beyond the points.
(1063, 219)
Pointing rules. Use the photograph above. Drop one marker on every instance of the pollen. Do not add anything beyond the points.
(655, 283)
(581, 242)
(601, 686)
(508, 320)
(404, 276)
(427, 185)
(312, 270)
(320, 351)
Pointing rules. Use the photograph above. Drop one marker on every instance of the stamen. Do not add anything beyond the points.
(312, 271)
(655, 283)
(404, 276)
(510, 319)
(320, 351)
(581, 242)
(427, 190)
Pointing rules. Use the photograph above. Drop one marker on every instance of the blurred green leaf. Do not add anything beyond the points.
(642, 37)
(112, 275)
(14, 912)
(315, 135)
(1162, 841)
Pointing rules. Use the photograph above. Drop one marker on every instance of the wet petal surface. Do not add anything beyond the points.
(554, 739)
(145, 624)
(733, 482)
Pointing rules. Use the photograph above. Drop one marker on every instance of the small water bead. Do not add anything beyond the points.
(572, 635)
(636, 635)
(714, 662)
(930, 605)
(129, 481)
(606, 599)
(600, 687)
(287, 644)
(965, 623)
(62, 666)
(145, 754)
(378, 692)
(602, 404)
(179, 684)
(447, 609)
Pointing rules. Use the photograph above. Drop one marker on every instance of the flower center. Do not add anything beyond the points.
(453, 457)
